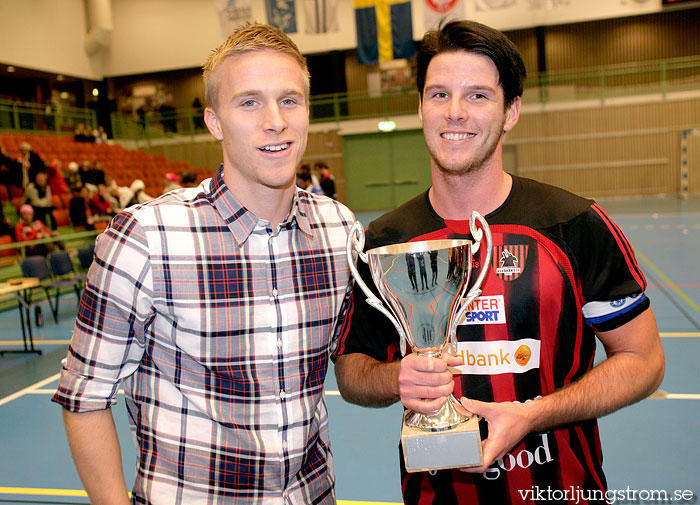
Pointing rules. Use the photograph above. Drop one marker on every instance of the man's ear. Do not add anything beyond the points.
(212, 122)
(420, 108)
(512, 115)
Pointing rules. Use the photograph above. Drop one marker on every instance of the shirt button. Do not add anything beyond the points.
(283, 395)
(279, 343)
(274, 293)
(284, 444)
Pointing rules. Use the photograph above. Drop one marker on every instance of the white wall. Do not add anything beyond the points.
(187, 30)
(46, 35)
(156, 35)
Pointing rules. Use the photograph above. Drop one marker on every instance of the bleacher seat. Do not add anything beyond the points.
(8, 256)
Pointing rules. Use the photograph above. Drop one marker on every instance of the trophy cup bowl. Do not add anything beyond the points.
(425, 290)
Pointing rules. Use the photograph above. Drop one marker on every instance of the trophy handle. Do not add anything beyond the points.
(354, 248)
(475, 291)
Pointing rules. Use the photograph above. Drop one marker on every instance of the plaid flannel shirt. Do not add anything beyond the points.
(220, 329)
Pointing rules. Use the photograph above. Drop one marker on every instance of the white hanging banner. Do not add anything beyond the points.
(232, 14)
(515, 14)
(320, 16)
(435, 11)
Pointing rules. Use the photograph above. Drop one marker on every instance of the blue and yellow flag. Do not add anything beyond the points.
(384, 30)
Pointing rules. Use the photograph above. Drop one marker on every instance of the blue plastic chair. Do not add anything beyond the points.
(53, 286)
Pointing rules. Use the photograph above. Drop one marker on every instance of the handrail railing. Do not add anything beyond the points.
(65, 237)
(38, 118)
(602, 82)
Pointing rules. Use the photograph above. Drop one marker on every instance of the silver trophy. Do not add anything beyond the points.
(425, 289)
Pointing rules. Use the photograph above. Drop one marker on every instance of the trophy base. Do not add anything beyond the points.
(456, 447)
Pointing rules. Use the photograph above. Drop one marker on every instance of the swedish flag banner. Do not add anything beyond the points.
(384, 30)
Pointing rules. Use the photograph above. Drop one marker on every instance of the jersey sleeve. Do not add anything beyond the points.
(612, 283)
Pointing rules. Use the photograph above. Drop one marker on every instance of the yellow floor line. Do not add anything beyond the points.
(668, 281)
(660, 394)
(683, 396)
(42, 492)
(81, 493)
(37, 341)
(679, 335)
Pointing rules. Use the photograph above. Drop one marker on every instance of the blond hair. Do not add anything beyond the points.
(249, 37)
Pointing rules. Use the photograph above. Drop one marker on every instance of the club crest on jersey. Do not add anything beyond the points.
(509, 261)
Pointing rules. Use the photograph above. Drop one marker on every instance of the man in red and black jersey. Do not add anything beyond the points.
(562, 274)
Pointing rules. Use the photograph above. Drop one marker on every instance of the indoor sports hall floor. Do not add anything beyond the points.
(651, 446)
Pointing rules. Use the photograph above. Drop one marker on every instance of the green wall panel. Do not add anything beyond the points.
(383, 170)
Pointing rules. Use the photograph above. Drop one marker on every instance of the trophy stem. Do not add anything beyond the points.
(448, 416)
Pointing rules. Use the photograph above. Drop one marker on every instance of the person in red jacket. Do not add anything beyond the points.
(28, 228)
(57, 182)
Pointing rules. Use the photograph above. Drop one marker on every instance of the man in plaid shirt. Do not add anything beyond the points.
(217, 307)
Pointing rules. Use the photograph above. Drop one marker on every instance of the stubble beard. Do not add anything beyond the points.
(472, 167)
(476, 164)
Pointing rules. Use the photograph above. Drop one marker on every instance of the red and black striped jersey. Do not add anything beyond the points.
(560, 270)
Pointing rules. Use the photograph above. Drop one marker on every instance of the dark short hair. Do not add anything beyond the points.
(320, 164)
(474, 37)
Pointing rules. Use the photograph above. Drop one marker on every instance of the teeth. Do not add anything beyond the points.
(457, 136)
(275, 148)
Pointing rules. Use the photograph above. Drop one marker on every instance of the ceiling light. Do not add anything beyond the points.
(59, 77)
(11, 69)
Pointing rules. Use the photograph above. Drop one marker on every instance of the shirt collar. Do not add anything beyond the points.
(241, 221)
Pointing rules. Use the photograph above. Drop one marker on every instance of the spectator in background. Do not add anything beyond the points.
(119, 196)
(303, 181)
(82, 134)
(188, 179)
(5, 227)
(198, 114)
(96, 174)
(57, 182)
(73, 177)
(80, 214)
(113, 197)
(100, 204)
(138, 189)
(100, 135)
(38, 195)
(310, 181)
(10, 170)
(85, 172)
(28, 228)
(168, 118)
(92, 173)
(31, 163)
(325, 178)
(122, 197)
(172, 181)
